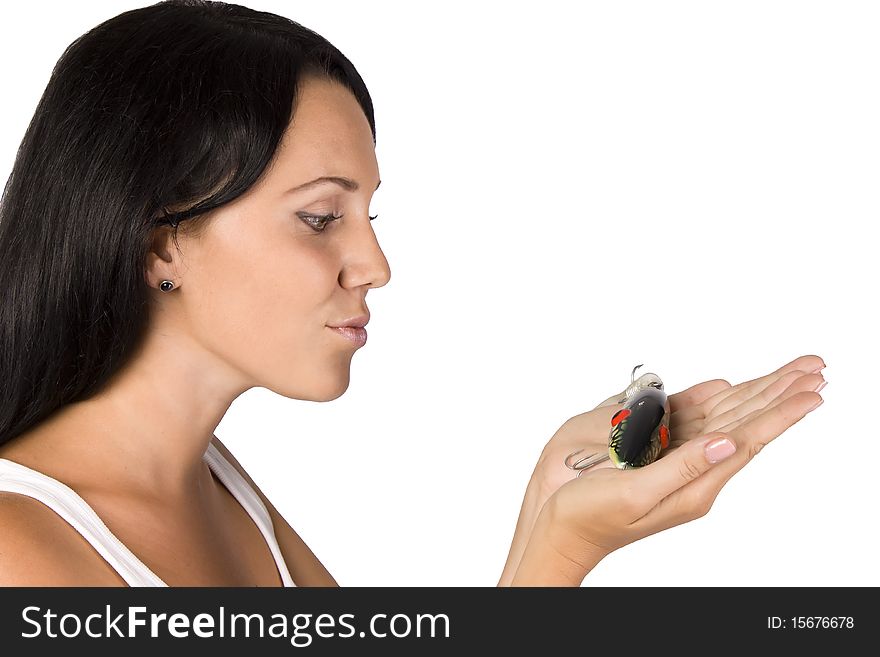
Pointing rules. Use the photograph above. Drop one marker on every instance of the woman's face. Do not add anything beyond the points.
(259, 287)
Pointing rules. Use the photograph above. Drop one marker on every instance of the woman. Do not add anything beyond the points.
(198, 227)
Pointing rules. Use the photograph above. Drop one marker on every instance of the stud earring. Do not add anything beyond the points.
(165, 286)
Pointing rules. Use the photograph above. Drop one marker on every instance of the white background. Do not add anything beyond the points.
(569, 191)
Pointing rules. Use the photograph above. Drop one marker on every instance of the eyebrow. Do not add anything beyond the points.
(346, 183)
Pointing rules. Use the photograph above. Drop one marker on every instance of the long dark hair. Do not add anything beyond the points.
(180, 105)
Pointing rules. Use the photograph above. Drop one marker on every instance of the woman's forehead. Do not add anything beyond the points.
(326, 109)
(328, 132)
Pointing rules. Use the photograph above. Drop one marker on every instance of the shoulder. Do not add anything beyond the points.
(39, 548)
(305, 568)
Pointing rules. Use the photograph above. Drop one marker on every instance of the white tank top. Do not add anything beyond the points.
(17, 478)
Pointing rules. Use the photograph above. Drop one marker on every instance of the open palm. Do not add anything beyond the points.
(713, 405)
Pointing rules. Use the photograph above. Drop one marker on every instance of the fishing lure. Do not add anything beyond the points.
(639, 430)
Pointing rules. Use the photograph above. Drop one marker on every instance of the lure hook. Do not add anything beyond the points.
(585, 461)
(633, 375)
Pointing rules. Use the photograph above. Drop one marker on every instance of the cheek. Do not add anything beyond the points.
(263, 309)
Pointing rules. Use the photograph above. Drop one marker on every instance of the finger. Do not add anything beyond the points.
(699, 424)
(680, 432)
(805, 364)
(753, 435)
(655, 482)
(696, 498)
(727, 399)
(696, 394)
(687, 405)
(808, 363)
(702, 407)
(791, 391)
(723, 404)
(805, 383)
(788, 385)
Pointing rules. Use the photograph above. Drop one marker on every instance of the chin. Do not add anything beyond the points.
(328, 391)
(333, 394)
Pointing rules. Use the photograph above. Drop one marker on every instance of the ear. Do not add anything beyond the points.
(162, 259)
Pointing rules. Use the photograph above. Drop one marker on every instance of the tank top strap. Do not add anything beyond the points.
(67, 503)
(239, 487)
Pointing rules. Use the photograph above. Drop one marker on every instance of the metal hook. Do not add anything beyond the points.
(585, 461)
(633, 375)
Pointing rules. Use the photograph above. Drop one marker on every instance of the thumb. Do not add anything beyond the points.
(675, 469)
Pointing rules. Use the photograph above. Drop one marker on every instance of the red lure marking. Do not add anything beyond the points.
(622, 414)
(664, 436)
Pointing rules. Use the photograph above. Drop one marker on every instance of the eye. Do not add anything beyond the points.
(318, 222)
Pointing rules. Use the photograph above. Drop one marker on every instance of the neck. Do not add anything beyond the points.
(148, 429)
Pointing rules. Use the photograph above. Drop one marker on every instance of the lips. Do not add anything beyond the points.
(355, 334)
(355, 322)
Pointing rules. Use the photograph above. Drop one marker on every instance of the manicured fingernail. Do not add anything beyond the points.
(816, 405)
(719, 449)
(820, 386)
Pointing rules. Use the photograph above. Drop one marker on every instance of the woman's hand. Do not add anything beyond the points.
(705, 408)
(701, 409)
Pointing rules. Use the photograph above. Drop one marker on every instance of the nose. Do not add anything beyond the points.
(366, 263)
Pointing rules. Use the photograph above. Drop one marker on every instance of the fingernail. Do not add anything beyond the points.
(719, 449)
(820, 386)
(818, 369)
(816, 405)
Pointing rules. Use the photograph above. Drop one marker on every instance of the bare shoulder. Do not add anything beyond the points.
(39, 548)
(305, 568)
